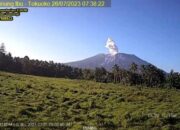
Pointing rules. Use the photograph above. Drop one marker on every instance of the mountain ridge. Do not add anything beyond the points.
(107, 61)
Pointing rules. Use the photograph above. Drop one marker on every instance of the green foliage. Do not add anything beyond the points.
(133, 67)
(87, 104)
(152, 76)
(88, 74)
(36, 67)
(101, 75)
(148, 75)
(173, 79)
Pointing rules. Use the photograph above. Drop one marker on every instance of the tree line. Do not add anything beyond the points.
(147, 75)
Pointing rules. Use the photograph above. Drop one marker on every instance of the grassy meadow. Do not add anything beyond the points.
(86, 105)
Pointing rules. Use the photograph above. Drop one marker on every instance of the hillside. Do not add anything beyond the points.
(87, 104)
(108, 61)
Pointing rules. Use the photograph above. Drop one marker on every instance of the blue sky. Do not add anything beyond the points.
(150, 29)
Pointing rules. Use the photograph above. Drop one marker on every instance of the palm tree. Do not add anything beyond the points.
(133, 67)
(115, 70)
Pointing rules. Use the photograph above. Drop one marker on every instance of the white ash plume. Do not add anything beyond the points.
(110, 44)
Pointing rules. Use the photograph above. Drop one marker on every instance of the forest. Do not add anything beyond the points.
(148, 75)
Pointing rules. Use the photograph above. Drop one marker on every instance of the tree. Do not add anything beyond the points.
(152, 76)
(100, 74)
(2, 48)
(134, 77)
(133, 67)
(115, 71)
(17, 65)
(6, 60)
(88, 74)
(170, 78)
(173, 79)
(26, 63)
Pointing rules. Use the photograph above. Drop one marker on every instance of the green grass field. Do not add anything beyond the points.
(87, 105)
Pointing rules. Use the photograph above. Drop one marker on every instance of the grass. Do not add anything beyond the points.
(86, 105)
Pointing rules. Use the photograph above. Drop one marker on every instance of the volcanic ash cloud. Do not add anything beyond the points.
(111, 46)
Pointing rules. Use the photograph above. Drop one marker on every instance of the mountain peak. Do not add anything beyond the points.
(108, 61)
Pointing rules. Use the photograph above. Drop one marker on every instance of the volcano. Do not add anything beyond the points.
(108, 61)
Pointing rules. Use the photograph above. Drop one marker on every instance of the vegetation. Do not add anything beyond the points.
(87, 104)
(149, 75)
(93, 100)
(36, 67)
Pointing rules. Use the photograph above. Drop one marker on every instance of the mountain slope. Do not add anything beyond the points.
(107, 61)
